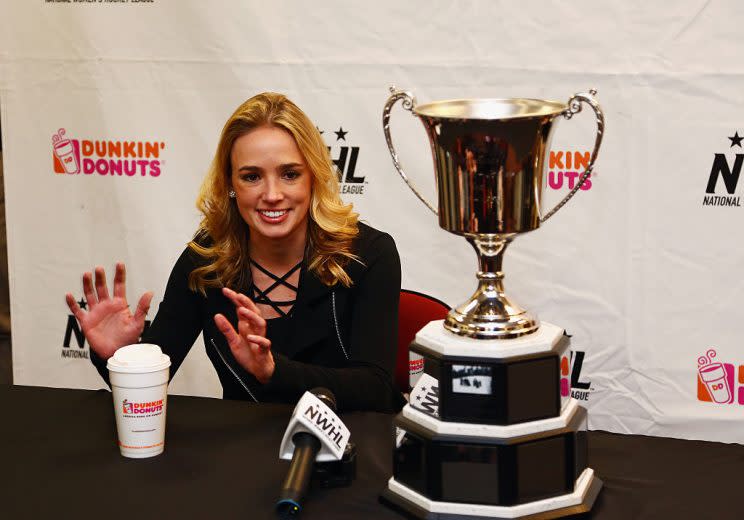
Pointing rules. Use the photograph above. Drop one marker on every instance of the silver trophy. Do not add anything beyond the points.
(489, 158)
(491, 430)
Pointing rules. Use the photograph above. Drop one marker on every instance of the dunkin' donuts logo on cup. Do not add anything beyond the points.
(142, 409)
(415, 367)
(127, 158)
(716, 381)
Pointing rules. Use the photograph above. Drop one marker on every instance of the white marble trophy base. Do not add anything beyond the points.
(436, 338)
(581, 500)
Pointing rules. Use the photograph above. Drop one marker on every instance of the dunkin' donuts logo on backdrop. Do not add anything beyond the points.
(717, 382)
(565, 377)
(565, 169)
(723, 179)
(142, 409)
(120, 158)
(345, 157)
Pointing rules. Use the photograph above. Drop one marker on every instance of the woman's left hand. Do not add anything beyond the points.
(249, 344)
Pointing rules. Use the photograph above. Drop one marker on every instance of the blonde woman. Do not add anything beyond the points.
(288, 288)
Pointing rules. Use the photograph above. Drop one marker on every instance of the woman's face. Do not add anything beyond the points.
(272, 183)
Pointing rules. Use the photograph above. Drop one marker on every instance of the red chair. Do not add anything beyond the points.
(415, 310)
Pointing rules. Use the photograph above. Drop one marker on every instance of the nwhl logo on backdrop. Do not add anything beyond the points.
(570, 375)
(579, 389)
(346, 157)
(724, 176)
(104, 156)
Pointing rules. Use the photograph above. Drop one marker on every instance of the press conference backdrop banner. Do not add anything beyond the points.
(111, 111)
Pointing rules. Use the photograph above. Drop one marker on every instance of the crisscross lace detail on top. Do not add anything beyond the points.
(262, 297)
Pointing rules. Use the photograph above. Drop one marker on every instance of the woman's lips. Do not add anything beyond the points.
(273, 216)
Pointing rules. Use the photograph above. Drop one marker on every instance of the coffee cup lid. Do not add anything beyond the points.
(141, 357)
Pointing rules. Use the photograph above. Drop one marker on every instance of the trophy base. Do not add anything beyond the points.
(411, 503)
(501, 327)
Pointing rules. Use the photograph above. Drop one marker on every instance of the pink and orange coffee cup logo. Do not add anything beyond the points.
(716, 380)
(66, 153)
(128, 158)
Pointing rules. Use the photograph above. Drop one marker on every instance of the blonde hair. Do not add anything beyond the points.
(223, 237)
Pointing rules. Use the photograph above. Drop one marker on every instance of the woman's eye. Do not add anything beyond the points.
(291, 174)
(250, 177)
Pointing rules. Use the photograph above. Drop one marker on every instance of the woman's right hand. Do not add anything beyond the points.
(108, 324)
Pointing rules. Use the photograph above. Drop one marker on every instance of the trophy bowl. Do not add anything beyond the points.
(489, 163)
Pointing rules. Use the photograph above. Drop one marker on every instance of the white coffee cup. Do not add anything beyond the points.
(139, 381)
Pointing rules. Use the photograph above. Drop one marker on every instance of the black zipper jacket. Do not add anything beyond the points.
(344, 339)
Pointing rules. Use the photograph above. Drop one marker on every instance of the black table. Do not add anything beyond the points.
(59, 459)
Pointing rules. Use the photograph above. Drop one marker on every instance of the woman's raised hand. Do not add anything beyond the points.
(249, 344)
(108, 324)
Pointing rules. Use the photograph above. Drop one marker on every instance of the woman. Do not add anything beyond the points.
(289, 290)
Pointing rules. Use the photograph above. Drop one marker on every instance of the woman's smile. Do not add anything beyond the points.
(273, 216)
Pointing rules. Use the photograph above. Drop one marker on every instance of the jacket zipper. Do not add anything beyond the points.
(335, 321)
(242, 383)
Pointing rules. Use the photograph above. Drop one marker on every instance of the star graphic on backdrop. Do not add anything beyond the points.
(340, 134)
(83, 304)
(418, 397)
(319, 130)
(736, 140)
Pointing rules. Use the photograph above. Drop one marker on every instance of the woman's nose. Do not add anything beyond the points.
(273, 191)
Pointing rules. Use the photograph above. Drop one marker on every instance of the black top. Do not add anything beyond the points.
(350, 351)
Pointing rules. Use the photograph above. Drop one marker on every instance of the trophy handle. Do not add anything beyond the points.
(409, 101)
(574, 107)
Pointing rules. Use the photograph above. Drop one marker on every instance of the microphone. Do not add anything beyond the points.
(315, 432)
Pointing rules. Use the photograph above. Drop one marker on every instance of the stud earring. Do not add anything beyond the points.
(231, 194)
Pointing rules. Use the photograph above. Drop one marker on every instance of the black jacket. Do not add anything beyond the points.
(315, 346)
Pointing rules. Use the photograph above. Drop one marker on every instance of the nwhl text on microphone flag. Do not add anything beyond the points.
(313, 416)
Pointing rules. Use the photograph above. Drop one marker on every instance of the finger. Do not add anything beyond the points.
(227, 330)
(232, 296)
(240, 300)
(245, 328)
(120, 281)
(263, 344)
(252, 316)
(143, 306)
(90, 296)
(255, 319)
(74, 307)
(258, 355)
(101, 288)
(247, 302)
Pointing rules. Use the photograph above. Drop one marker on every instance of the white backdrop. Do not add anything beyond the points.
(641, 273)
